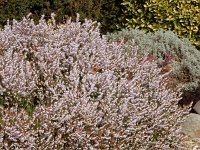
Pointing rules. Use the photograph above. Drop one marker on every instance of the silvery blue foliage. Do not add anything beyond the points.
(186, 58)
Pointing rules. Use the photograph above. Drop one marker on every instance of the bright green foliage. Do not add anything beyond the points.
(181, 16)
(133, 14)
(186, 58)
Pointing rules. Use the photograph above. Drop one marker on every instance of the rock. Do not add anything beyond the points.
(191, 126)
(197, 107)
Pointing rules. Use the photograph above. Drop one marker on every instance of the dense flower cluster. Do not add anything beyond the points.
(91, 94)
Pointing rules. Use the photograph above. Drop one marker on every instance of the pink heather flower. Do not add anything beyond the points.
(92, 94)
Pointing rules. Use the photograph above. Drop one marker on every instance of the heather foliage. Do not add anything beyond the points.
(186, 58)
(90, 94)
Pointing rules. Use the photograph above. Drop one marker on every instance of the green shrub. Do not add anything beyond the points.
(10, 9)
(16, 9)
(110, 11)
(104, 11)
(186, 58)
(181, 16)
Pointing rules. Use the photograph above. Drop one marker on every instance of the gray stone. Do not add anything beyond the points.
(191, 126)
(197, 107)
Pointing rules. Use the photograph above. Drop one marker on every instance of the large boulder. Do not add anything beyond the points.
(191, 126)
(197, 107)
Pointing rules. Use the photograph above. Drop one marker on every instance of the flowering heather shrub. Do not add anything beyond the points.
(92, 94)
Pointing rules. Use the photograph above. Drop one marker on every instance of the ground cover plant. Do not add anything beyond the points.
(185, 58)
(87, 93)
